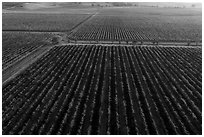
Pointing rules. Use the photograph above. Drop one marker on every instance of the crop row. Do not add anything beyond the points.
(90, 89)
(139, 28)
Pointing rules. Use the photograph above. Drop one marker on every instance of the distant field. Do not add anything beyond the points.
(41, 22)
(114, 24)
(133, 11)
(48, 7)
(142, 24)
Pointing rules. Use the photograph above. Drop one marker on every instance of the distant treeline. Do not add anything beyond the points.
(123, 4)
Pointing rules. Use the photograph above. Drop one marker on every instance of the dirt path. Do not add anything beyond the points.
(175, 46)
(22, 64)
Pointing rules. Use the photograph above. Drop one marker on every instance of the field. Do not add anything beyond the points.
(99, 69)
(107, 90)
(41, 21)
(122, 24)
(18, 45)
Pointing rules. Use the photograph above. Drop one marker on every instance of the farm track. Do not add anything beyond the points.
(87, 89)
(130, 45)
(149, 43)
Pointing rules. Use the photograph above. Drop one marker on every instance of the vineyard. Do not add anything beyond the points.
(41, 22)
(106, 68)
(17, 45)
(154, 26)
(89, 89)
